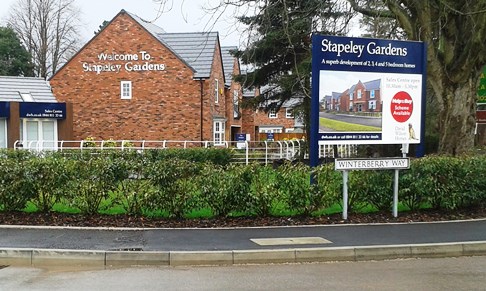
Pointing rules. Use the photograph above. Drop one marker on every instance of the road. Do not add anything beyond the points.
(464, 273)
(368, 121)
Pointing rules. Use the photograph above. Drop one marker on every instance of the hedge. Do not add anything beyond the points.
(177, 184)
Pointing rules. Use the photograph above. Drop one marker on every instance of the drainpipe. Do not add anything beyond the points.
(201, 82)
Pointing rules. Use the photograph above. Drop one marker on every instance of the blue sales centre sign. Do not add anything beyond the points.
(42, 110)
(366, 91)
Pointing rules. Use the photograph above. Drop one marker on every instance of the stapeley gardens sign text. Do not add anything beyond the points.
(116, 62)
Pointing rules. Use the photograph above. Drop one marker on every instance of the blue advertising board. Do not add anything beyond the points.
(4, 109)
(270, 136)
(366, 91)
(42, 110)
(240, 136)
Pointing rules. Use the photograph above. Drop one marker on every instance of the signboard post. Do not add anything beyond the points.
(347, 165)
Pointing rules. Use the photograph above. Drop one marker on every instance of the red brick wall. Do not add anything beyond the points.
(261, 118)
(164, 105)
(232, 121)
(211, 108)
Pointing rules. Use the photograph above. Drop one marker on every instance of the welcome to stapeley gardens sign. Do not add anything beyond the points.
(116, 62)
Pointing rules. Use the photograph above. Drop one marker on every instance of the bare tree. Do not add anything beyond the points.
(49, 31)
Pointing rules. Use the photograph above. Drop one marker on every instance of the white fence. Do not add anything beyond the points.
(243, 151)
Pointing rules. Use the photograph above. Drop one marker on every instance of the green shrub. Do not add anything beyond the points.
(14, 189)
(96, 176)
(135, 191)
(295, 188)
(376, 188)
(264, 191)
(471, 173)
(47, 178)
(328, 187)
(226, 190)
(411, 192)
(176, 187)
(217, 156)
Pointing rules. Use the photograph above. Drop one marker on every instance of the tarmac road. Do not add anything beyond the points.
(362, 120)
(112, 246)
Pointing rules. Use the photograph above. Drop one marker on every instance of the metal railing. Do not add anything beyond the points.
(243, 151)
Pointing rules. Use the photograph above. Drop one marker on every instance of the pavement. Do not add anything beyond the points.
(112, 247)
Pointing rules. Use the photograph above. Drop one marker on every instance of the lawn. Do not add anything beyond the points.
(345, 126)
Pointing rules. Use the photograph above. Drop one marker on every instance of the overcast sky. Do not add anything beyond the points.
(185, 16)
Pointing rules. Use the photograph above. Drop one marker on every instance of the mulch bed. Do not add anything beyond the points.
(78, 220)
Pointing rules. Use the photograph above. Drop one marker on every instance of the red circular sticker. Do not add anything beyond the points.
(401, 106)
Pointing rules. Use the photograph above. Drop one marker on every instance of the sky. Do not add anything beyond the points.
(183, 16)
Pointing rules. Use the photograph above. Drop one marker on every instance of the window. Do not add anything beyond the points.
(372, 94)
(26, 97)
(272, 113)
(270, 129)
(126, 89)
(236, 107)
(289, 113)
(360, 107)
(219, 136)
(372, 105)
(359, 94)
(39, 134)
(216, 91)
(3, 133)
(351, 96)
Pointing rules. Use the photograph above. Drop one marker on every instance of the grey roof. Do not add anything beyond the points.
(336, 95)
(372, 85)
(11, 87)
(228, 63)
(149, 26)
(196, 48)
(292, 102)
(351, 90)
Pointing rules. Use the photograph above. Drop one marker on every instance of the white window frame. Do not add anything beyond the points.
(218, 132)
(40, 122)
(372, 94)
(236, 107)
(122, 90)
(351, 96)
(289, 112)
(270, 129)
(216, 91)
(272, 113)
(359, 94)
(4, 126)
(372, 104)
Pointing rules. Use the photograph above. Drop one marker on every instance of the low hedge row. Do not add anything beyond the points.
(151, 182)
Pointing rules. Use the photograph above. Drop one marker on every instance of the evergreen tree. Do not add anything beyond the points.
(279, 51)
(14, 58)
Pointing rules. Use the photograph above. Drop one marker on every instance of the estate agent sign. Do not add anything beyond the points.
(367, 91)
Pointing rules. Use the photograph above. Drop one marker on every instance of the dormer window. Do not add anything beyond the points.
(272, 113)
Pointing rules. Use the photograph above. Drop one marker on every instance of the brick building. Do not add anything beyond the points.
(30, 115)
(134, 81)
